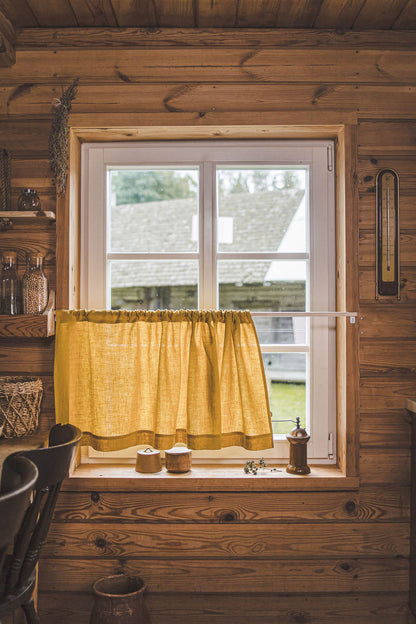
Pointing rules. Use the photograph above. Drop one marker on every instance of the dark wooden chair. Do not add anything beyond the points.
(18, 479)
(19, 576)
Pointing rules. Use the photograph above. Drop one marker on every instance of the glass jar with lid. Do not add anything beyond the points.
(28, 200)
(35, 286)
(10, 286)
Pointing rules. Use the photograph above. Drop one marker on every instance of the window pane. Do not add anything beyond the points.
(282, 330)
(266, 286)
(154, 284)
(286, 382)
(261, 210)
(154, 210)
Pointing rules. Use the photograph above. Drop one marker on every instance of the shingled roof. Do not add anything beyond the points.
(169, 226)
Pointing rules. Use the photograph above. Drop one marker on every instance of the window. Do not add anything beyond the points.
(229, 225)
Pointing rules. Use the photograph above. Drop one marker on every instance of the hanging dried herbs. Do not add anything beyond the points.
(58, 138)
(5, 184)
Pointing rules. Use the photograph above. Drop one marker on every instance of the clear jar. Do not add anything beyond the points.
(28, 200)
(11, 299)
(35, 286)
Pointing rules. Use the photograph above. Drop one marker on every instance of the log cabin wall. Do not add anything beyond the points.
(232, 556)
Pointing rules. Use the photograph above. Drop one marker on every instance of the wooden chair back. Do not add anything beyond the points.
(53, 464)
(18, 479)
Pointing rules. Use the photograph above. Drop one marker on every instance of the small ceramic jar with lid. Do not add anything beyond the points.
(148, 460)
(178, 459)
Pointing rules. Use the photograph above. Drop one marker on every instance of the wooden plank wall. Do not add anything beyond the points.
(287, 557)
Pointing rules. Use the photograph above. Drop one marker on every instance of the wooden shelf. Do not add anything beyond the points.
(30, 325)
(28, 215)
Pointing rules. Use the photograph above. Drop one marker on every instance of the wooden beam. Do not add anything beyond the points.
(7, 41)
(131, 38)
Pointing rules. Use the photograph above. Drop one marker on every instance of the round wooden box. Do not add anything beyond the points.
(178, 459)
(148, 460)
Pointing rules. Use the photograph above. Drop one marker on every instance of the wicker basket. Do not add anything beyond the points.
(20, 399)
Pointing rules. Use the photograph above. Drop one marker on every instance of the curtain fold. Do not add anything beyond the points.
(160, 378)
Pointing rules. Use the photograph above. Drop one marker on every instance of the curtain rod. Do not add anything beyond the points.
(351, 315)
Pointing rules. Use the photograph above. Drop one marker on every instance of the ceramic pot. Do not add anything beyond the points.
(118, 599)
(148, 460)
(178, 459)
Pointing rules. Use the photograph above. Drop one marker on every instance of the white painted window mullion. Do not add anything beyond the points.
(207, 300)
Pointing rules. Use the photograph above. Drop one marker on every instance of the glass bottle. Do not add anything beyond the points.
(35, 286)
(28, 200)
(11, 299)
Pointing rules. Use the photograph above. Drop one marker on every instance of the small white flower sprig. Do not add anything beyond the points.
(250, 467)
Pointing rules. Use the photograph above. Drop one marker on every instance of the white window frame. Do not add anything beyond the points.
(313, 154)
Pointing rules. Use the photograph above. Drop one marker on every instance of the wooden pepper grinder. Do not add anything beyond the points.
(298, 439)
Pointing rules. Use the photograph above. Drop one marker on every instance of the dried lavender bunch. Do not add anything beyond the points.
(58, 138)
(5, 183)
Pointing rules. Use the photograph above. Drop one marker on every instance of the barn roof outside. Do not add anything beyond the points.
(146, 227)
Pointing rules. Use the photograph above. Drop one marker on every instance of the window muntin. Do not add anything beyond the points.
(214, 258)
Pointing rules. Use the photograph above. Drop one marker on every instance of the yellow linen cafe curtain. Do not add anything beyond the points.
(163, 377)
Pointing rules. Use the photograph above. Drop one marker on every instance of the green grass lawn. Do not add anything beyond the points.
(287, 401)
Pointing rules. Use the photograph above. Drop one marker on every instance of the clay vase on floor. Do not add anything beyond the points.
(119, 600)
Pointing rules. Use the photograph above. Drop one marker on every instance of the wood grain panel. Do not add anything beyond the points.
(94, 12)
(389, 430)
(36, 99)
(136, 14)
(241, 37)
(377, 395)
(251, 576)
(386, 138)
(388, 321)
(36, 168)
(369, 167)
(368, 210)
(7, 41)
(378, 14)
(19, 13)
(152, 541)
(357, 608)
(55, 14)
(407, 18)
(370, 504)
(218, 507)
(392, 359)
(292, 12)
(382, 503)
(341, 14)
(407, 287)
(213, 65)
(386, 14)
(367, 248)
(262, 16)
(385, 466)
(347, 267)
(214, 13)
(203, 478)
(24, 138)
(174, 13)
(26, 356)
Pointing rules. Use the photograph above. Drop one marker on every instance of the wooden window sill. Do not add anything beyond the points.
(206, 478)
